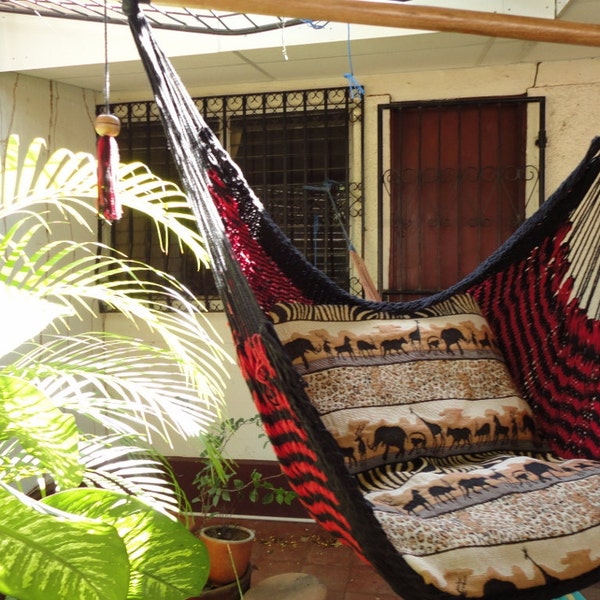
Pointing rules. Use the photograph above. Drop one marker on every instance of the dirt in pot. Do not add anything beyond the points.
(226, 532)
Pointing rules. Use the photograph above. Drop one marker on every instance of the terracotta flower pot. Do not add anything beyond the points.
(229, 548)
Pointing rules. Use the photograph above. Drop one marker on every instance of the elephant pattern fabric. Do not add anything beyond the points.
(443, 445)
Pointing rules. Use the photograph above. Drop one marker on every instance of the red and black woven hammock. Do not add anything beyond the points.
(539, 293)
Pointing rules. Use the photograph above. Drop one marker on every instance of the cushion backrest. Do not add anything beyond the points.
(395, 388)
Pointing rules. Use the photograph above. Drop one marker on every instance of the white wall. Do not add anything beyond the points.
(239, 403)
(60, 114)
(573, 113)
(63, 115)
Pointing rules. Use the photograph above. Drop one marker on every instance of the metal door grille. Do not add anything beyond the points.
(457, 178)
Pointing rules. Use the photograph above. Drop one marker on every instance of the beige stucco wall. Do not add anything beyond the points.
(573, 113)
(61, 114)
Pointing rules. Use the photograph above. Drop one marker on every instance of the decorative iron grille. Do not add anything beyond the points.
(293, 148)
(457, 178)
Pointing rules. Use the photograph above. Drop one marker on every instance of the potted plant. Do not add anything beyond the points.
(80, 409)
(220, 487)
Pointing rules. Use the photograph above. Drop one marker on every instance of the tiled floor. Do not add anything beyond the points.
(302, 547)
(283, 547)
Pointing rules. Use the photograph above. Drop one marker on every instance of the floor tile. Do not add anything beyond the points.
(303, 547)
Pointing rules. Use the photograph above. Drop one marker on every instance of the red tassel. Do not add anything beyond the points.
(107, 127)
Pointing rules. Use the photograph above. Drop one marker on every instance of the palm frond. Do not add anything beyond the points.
(30, 187)
(113, 463)
(166, 381)
(145, 193)
(66, 183)
(83, 275)
(122, 383)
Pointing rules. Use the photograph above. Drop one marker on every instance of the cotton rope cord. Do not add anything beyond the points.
(355, 88)
(107, 127)
(283, 46)
(106, 67)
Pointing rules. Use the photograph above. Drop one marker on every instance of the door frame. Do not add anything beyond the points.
(537, 141)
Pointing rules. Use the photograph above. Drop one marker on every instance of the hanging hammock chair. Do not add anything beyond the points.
(425, 435)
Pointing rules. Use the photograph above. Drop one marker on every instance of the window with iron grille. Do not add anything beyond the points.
(300, 151)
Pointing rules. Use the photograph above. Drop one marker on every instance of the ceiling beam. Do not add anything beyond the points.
(410, 16)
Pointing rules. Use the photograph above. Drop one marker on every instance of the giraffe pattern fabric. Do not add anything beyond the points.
(443, 446)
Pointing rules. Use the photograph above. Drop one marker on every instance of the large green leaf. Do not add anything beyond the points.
(48, 556)
(167, 561)
(43, 430)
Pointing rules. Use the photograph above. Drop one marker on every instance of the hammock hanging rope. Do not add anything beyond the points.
(425, 435)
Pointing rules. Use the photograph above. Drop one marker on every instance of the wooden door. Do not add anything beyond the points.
(457, 189)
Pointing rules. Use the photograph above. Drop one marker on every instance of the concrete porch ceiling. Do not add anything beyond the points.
(36, 39)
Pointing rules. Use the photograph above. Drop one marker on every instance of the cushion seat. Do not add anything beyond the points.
(444, 447)
(492, 521)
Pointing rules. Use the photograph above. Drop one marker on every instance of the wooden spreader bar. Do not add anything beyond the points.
(409, 16)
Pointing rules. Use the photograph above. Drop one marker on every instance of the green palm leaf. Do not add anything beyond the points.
(149, 298)
(30, 187)
(53, 556)
(80, 278)
(167, 561)
(138, 391)
(126, 385)
(31, 183)
(111, 463)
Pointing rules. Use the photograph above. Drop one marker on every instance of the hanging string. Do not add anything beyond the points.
(283, 46)
(106, 68)
(355, 88)
(107, 127)
(315, 24)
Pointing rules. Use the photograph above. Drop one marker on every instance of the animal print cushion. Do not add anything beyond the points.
(483, 529)
(444, 448)
(396, 389)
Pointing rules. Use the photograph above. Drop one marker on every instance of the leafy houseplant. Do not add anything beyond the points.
(219, 486)
(110, 528)
(217, 481)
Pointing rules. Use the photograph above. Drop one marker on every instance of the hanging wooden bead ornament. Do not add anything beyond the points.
(107, 127)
